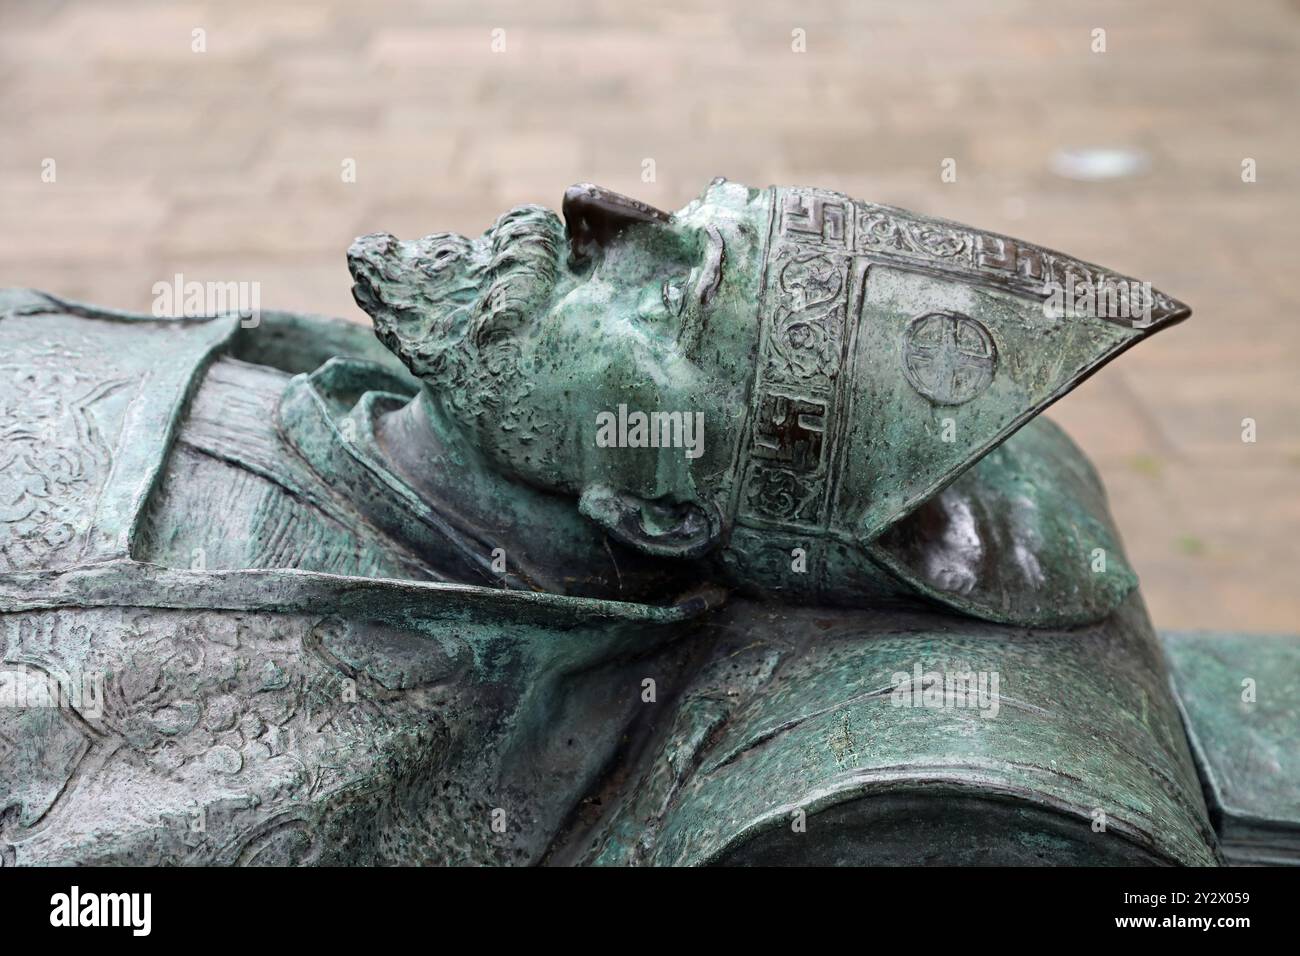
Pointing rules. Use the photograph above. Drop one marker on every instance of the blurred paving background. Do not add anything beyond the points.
(227, 165)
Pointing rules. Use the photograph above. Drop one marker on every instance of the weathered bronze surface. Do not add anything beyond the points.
(438, 603)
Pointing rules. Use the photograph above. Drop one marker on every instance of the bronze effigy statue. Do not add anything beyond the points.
(726, 536)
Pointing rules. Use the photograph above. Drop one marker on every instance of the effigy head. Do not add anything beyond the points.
(759, 364)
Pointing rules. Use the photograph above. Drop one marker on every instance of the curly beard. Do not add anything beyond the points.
(452, 308)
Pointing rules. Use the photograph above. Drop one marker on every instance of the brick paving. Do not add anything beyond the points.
(226, 164)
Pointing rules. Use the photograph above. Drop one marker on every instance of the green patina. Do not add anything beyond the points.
(359, 600)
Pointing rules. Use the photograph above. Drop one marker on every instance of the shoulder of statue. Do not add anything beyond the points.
(88, 401)
(92, 401)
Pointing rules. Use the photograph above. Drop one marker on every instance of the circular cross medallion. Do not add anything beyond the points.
(948, 357)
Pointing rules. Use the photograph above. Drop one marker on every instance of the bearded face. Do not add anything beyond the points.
(528, 333)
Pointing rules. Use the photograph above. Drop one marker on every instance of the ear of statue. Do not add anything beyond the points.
(660, 528)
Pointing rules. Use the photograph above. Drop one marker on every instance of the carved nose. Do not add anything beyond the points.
(594, 215)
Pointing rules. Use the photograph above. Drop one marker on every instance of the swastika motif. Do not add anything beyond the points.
(816, 217)
(948, 357)
(790, 430)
